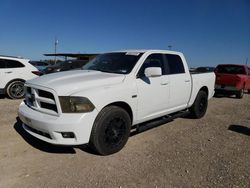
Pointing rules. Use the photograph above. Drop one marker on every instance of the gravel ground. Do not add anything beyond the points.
(211, 152)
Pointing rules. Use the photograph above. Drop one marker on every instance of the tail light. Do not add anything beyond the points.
(38, 73)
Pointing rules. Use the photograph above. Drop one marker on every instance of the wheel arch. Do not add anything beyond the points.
(205, 89)
(124, 106)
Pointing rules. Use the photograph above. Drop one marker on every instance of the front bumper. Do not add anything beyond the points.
(49, 128)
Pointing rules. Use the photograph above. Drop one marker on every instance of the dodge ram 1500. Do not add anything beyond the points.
(99, 104)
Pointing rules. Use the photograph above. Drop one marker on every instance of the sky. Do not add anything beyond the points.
(208, 32)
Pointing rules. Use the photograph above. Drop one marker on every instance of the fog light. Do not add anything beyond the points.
(68, 135)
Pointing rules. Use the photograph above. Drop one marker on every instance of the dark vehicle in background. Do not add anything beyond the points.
(205, 69)
(39, 65)
(64, 66)
(232, 79)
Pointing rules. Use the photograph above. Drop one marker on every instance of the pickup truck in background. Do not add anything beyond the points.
(99, 104)
(232, 79)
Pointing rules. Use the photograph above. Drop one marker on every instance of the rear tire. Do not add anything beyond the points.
(240, 94)
(248, 91)
(110, 131)
(199, 108)
(15, 89)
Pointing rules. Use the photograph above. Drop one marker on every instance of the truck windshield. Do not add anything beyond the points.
(231, 69)
(119, 62)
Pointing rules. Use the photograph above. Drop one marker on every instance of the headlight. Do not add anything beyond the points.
(75, 104)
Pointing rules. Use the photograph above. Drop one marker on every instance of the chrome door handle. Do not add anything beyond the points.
(164, 84)
(187, 80)
(8, 72)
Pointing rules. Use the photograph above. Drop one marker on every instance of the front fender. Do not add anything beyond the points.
(101, 97)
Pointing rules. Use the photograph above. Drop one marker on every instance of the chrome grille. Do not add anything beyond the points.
(41, 100)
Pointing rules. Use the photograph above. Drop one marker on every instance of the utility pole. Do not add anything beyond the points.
(56, 43)
(246, 60)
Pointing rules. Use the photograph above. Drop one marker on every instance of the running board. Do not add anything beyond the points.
(159, 121)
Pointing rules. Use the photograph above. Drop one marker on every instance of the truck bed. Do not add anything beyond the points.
(200, 80)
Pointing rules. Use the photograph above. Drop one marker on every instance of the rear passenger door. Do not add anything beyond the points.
(179, 83)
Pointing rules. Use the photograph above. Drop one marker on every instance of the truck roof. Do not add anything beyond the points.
(148, 50)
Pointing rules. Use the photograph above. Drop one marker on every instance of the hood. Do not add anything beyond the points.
(69, 82)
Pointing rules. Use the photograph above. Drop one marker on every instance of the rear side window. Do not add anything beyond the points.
(175, 64)
(13, 64)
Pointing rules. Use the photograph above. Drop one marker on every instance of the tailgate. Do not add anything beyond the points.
(227, 79)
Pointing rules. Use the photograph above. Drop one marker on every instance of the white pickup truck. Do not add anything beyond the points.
(99, 104)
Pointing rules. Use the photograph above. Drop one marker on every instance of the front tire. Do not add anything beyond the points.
(240, 94)
(110, 131)
(199, 108)
(15, 89)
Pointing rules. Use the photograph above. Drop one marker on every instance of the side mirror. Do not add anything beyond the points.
(153, 72)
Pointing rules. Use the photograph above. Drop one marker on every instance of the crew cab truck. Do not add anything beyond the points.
(99, 104)
(232, 79)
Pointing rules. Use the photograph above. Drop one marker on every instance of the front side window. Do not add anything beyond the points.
(175, 64)
(153, 60)
(118, 62)
(13, 64)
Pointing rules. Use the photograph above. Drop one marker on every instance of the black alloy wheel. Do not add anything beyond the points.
(115, 132)
(199, 107)
(110, 131)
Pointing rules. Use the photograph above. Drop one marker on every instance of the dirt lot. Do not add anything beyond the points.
(210, 152)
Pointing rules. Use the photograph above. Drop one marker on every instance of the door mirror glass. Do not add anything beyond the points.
(153, 72)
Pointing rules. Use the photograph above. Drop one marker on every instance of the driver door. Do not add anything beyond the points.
(153, 92)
